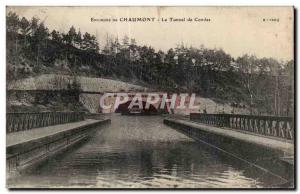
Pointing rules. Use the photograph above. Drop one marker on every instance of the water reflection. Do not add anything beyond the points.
(141, 152)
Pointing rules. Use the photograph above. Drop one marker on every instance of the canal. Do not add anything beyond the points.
(141, 152)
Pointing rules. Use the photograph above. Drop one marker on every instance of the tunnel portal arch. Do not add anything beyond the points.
(152, 110)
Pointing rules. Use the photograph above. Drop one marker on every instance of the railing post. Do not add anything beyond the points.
(25, 121)
(266, 125)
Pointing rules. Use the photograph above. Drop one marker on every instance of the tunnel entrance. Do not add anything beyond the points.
(135, 110)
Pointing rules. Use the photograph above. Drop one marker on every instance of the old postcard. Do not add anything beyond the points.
(150, 97)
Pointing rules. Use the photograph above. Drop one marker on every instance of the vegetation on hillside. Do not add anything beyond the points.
(261, 83)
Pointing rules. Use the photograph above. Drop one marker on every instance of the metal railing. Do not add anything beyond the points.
(25, 121)
(282, 127)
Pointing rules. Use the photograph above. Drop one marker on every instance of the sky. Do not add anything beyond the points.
(260, 31)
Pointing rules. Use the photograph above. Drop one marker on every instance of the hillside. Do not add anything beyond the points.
(262, 84)
(27, 94)
(34, 93)
(63, 82)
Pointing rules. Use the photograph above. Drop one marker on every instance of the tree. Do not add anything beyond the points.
(289, 69)
(65, 38)
(125, 41)
(221, 60)
(170, 56)
(246, 66)
(94, 44)
(116, 46)
(90, 43)
(86, 41)
(24, 26)
(132, 41)
(71, 35)
(55, 35)
(40, 38)
(42, 32)
(34, 24)
(12, 27)
(108, 47)
(12, 22)
(78, 39)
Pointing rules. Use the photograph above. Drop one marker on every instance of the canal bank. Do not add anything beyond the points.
(269, 154)
(27, 149)
(142, 152)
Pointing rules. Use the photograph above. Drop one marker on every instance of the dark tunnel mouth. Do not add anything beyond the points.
(123, 109)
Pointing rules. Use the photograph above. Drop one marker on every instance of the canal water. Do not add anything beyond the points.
(141, 152)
